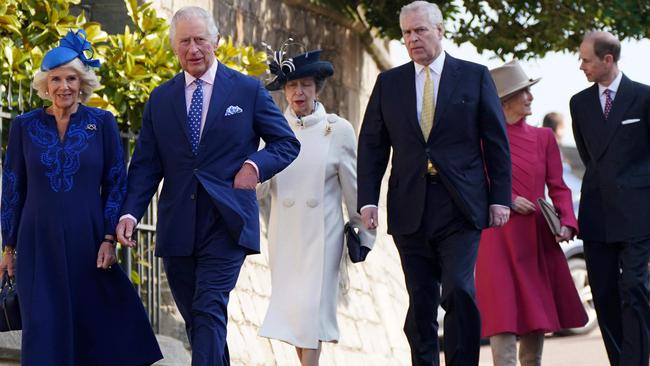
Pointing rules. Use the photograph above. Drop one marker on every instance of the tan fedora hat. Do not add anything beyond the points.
(511, 78)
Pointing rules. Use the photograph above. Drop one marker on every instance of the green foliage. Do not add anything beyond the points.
(527, 28)
(28, 28)
(244, 59)
(133, 62)
(512, 28)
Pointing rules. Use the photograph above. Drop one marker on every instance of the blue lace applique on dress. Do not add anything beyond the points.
(10, 199)
(61, 160)
(117, 179)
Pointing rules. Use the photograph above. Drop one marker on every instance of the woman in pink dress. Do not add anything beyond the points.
(524, 287)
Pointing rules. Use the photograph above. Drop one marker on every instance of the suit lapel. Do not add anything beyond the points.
(594, 127)
(409, 99)
(622, 101)
(220, 90)
(178, 102)
(448, 83)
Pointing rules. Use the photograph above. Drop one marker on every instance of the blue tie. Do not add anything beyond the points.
(194, 116)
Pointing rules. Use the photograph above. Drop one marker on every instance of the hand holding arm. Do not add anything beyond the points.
(499, 215)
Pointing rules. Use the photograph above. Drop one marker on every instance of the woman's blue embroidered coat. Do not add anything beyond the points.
(59, 198)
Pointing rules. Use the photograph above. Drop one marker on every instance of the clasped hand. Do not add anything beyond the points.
(8, 263)
(106, 256)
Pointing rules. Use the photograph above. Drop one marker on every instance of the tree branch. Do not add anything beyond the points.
(370, 43)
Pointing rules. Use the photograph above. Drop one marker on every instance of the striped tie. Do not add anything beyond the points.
(428, 105)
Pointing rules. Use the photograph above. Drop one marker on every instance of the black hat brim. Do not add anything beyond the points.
(319, 69)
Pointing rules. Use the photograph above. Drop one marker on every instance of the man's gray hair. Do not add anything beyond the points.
(193, 12)
(605, 43)
(431, 10)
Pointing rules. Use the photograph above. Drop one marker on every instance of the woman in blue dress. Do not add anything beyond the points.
(63, 184)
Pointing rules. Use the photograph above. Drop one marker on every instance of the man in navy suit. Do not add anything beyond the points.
(450, 178)
(611, 126)
(200, 133)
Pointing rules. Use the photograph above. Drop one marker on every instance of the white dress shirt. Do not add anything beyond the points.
(613, 87)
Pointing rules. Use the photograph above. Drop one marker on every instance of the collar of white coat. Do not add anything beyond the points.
(318, 115)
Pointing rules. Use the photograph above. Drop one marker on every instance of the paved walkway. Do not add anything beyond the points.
(584, 350)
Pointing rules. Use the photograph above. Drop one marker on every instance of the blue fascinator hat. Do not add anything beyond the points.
(297, 67)
(72, 46)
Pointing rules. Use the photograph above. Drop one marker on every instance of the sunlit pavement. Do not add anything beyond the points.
(581, 350)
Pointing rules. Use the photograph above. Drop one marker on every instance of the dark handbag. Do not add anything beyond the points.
(356, 251)
(9, 309)
(550, 215)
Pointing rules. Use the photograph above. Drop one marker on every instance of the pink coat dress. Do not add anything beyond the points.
(523, 281)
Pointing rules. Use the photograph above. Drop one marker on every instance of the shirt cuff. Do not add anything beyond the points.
(495, 205)
(257, 170)
(366, 206)
(130, 217)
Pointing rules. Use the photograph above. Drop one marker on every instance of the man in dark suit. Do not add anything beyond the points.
(443, 121)
(200, 133)
(611, 126)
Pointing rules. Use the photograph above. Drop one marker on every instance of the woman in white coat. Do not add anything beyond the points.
(305, 228)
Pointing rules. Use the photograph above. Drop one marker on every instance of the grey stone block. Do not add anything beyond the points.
(174, 352)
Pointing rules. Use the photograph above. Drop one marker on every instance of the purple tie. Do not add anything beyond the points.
(608, 102)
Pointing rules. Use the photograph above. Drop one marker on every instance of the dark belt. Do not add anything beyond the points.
(433, 179)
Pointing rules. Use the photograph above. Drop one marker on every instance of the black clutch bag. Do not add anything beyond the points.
(9, 309)
(356, 251)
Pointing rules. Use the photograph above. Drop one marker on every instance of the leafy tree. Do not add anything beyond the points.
(133, 62)
(510, 28)
(28, 28)
(136, 62)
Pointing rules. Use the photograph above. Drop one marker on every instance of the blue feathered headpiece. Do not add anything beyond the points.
(72, 46)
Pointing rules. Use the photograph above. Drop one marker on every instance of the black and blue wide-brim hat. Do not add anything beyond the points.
(73, 45)
(305, 65)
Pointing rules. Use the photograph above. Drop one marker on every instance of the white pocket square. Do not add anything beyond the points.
(233, 109)
(632, 120)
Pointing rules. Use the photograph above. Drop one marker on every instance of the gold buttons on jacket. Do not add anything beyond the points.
(312, 202)
(288, 202)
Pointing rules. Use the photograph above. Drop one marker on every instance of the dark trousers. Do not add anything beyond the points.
(201, 284)
(443, 251)
(618, 275)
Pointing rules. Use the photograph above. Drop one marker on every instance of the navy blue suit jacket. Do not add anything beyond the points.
(468, 140)
(615, 194)
(163, 151)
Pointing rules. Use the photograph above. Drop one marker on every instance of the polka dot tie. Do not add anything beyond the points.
(608, 102)
(194, 116)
